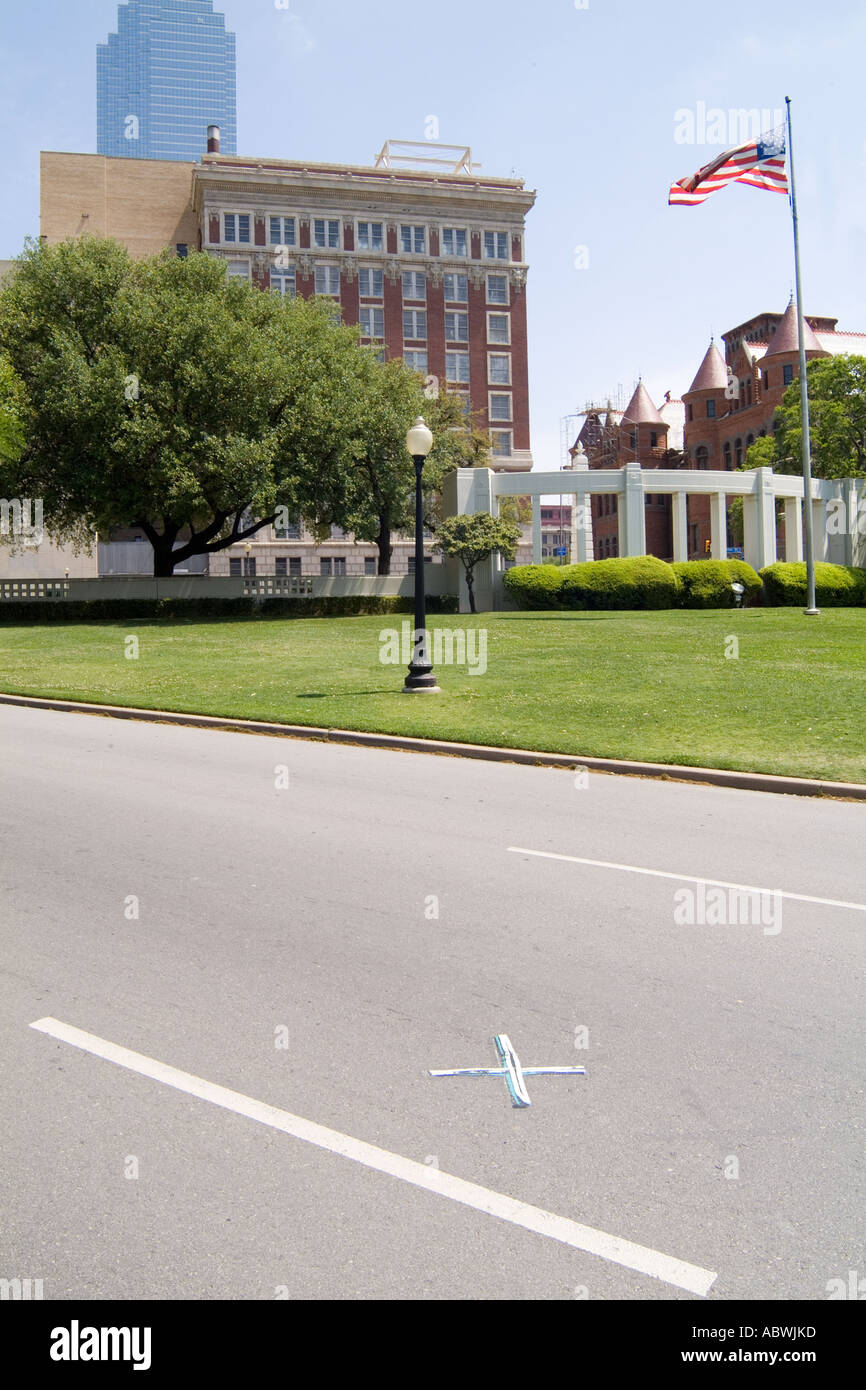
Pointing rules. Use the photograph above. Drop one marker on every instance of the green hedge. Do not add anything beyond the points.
(93, 610)
(534, 586)
(639, 582)
(836, 586)
(707, 583)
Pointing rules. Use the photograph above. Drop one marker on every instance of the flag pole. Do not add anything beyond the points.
(811, 610)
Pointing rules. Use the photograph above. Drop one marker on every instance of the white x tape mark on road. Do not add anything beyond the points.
(544, 1223)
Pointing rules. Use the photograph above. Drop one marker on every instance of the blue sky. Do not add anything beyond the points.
(581, 103)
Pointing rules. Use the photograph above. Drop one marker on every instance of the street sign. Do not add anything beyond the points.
(561, 550)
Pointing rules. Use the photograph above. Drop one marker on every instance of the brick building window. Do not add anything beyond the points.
(654, 439)
(457, 367)
(500, 406)
(238, 270)
(413, 240)
(282, 231)
(283, 282)
(281, 567)
(415, 360)
(456, 289)
(702, 456)
(328, 280)
(499, 369)
(499, 328)
(415, 324)
(295, 566)
(457, 328)
(414, 285)
(237, 227)
(727, 453)
(711, 410)
(500, 443)
(738, 451)
(369, 236)
(787, 375)
(326, 233)
(371, 284)
(497, 289)
(496, 246)
(454, 241)
(691, 413)
(372, 322)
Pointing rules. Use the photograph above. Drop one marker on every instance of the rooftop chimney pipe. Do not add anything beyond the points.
(213, 139)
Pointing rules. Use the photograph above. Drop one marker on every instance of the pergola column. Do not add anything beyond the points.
(680, 517)
(719, 526)
(631, 513)
(793, 530)
(759, 521)
(536, 530)
(581, 521)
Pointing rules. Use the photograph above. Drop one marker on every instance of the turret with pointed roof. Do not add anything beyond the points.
(712, 374)
(786, 338)
(640, 409)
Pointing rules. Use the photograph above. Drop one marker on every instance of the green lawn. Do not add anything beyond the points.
(655, 686)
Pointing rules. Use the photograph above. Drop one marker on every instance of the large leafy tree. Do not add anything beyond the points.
(381, 493)
(11, 408)
(837, 422)
(163, 396)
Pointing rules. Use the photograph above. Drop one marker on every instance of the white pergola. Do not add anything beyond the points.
(479, 490)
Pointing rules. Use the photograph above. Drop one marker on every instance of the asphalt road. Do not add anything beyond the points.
(319, 946)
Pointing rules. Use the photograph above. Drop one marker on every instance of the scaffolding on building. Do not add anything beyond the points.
(571, 425)
(451, 159)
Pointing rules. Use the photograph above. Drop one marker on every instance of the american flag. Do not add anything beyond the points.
(761, 163)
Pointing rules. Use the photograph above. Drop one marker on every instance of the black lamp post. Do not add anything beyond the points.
(419, 442)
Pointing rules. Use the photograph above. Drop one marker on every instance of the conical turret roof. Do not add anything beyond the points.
(787, 339)
(712, 373)
(640, 409)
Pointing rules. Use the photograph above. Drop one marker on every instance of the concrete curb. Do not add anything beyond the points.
(670, 772)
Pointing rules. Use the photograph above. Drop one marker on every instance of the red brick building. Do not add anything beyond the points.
(645, 434)
(429, 259)
(432, 265)
(732, 400)
(729, 405)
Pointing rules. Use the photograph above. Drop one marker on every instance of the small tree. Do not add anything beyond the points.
(472, 539)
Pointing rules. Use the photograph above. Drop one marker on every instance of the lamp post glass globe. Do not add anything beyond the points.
(420, 679)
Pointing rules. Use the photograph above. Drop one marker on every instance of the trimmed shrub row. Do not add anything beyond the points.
(92, 610)
(639, 582)
(707, 583)
(836, 586)
(645, 582)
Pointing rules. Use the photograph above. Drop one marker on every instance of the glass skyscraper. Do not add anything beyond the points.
(163, 78)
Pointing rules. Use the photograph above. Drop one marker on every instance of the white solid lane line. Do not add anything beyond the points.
(685, 878)
(622, 1252)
